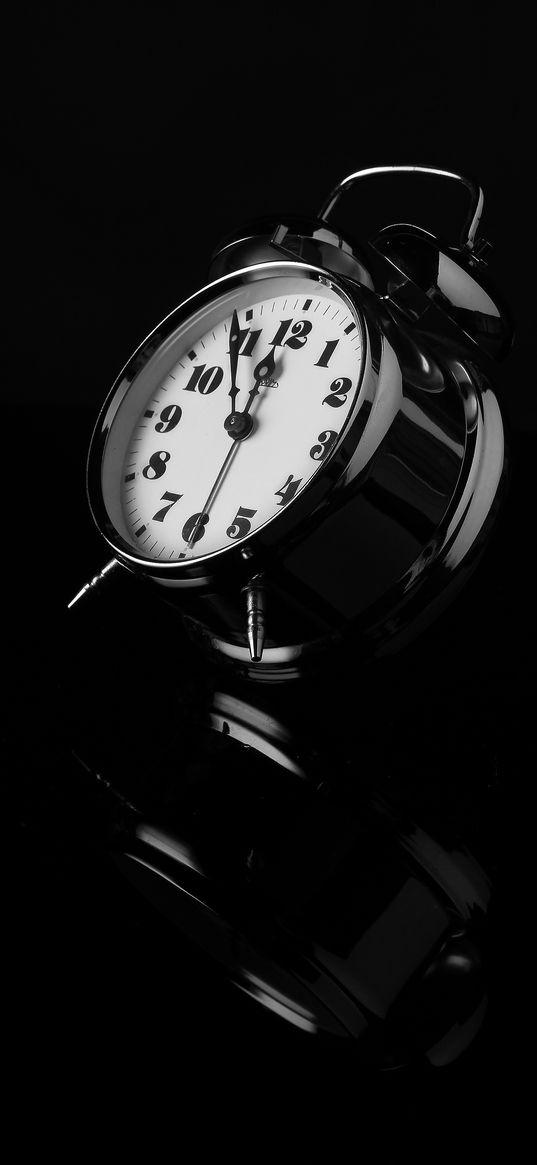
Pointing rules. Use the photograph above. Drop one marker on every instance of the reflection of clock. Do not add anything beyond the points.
(281, 832)
(300, 450)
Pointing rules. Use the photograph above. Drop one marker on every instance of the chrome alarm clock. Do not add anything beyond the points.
(294, 472)
(306, 454)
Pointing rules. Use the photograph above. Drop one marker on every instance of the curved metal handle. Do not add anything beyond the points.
(471, 222)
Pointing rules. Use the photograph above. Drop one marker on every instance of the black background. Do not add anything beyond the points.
(135, 138)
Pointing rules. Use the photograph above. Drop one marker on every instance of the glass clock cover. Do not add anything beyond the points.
(203, 451)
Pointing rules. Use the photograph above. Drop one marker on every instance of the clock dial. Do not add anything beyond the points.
(249, 404)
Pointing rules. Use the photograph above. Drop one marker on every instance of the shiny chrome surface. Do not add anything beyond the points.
(378, 560)
(442, 292)
(422, 278)
(94, 586)
(306, 239)
(467, 237)
(382, 538)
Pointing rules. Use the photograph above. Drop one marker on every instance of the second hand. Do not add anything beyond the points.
(239, 426)
(204, 513)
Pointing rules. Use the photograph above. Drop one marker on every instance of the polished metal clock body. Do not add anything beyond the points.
(368, 457)
(303, 462)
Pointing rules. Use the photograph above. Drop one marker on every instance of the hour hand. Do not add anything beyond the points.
(234, 345)
(262, 373)
(240, 425)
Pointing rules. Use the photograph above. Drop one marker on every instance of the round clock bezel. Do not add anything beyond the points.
(202, 568)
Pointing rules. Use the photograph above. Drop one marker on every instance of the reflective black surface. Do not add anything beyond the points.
(438, 738)
(300, 839)
(119, 131)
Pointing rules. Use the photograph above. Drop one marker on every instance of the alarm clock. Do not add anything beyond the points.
(307, 453)
(295, 472)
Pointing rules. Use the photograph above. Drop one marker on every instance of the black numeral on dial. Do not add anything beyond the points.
(169, 418)
(156, 465)
(204, 379)
(326, 441)
(241, 524)
(338, 392)
(189, 525)
(324, 359)
(299, 333)
(247, 341)
(171, 499)
(288, 490)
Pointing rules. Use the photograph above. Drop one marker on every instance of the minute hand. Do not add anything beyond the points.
(234, 345)
(205, 511)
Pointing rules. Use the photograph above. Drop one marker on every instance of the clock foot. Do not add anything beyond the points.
(255, 614)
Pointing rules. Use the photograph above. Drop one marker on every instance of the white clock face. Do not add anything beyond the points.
(181, 479)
